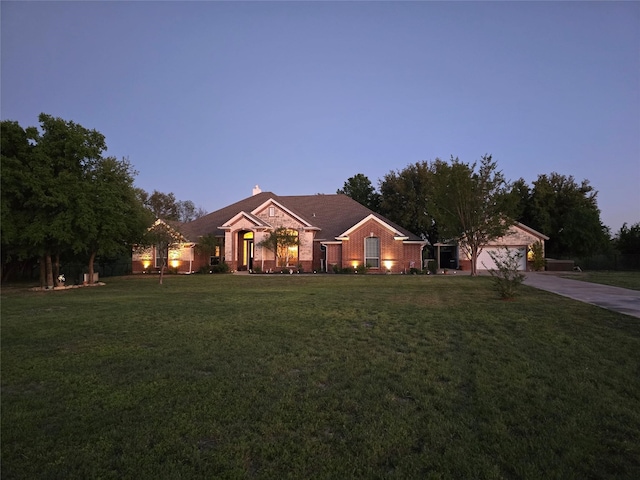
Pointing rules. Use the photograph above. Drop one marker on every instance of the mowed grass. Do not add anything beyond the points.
(316, 377)
(622, 279)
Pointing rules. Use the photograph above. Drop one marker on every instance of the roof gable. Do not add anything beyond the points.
(256, 221)
(396, 233)
(530, 230)
(272, 201)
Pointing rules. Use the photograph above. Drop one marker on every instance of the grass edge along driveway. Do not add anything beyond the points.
(316, 377)
(622, 279)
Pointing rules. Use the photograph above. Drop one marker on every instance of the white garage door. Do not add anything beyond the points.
(485, 262)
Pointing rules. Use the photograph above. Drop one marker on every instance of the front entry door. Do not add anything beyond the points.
(248, 246)
(245, 251)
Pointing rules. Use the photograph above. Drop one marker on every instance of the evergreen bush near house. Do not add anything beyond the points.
(507, 278)
(538, 256)
(432, 266)
(220, 268)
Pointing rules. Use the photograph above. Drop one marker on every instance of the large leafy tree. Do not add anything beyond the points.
(166, 207)
(406, 199)
(471, 203)
(627, 240)
(187, 211)
(163, 205)
(520, 194)
(360, 189)
(61, 197)
(113, 217)
(566, 211)
(62, 152)
(15, 188)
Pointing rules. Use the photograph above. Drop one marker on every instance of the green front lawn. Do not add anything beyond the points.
(629, 280)
(305, 376)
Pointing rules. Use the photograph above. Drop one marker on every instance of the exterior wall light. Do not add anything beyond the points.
(388, 264)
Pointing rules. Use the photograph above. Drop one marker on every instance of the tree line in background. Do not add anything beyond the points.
(471, 203)
(63, 199)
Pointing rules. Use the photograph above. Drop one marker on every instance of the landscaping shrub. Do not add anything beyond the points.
(507, 278)
(432, 266)
(220, 268)
(538, 256)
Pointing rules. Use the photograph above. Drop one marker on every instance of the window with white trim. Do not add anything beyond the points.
(372, 252)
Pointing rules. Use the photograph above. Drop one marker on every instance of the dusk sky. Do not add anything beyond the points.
(208, 99)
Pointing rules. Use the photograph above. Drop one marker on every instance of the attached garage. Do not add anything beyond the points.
(518, 238)
(485, 260)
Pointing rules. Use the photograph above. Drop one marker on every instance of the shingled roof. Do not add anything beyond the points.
(332, 214)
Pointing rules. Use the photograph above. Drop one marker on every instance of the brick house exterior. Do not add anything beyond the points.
(334, 231)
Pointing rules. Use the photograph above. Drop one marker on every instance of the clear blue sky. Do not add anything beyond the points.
(208, 99)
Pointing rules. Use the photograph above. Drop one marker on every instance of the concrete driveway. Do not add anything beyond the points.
(612, 298)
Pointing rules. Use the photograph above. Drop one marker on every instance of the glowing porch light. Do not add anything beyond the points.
(175, 263)
(146, 264)
(354, 264)
(388, 264)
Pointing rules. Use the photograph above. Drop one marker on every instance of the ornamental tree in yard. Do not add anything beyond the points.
(507, 277)
(471, 203)
(163, 237)
(280, 241)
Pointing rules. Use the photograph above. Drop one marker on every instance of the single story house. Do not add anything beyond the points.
(334, 231)
(518, 238)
